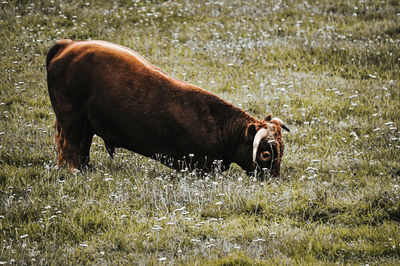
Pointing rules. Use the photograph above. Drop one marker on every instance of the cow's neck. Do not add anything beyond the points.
(237, 148)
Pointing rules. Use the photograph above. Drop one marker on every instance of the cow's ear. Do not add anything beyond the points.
(268, 117)
(251, 131)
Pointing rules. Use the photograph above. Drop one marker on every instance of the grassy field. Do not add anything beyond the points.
(330, 71)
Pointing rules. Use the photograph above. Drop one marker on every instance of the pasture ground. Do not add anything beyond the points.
(331, 71)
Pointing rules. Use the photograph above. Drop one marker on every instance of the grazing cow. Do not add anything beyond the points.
(101, 88)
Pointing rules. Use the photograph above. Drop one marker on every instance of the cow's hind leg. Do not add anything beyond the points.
(74, 135)
(86, 141)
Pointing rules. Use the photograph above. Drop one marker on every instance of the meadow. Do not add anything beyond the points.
(329, 69)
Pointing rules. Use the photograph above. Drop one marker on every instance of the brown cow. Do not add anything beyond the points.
(101, 88)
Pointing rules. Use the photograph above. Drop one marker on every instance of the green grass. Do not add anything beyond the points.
(329, 69)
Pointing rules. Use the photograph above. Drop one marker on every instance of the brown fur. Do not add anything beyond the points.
(101, 88)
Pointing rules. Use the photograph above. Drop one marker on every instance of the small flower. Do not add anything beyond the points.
(180, 209)
(157, 228)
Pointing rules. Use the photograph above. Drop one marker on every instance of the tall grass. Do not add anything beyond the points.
(329, 69)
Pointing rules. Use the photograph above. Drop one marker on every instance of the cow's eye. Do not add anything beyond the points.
(265, 156)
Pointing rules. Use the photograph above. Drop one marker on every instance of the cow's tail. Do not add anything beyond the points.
(61, 44)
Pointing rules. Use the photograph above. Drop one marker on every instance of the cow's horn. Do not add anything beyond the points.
(280, 123)
(262, 133)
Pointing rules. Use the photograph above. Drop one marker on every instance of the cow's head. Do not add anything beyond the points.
(267, 149)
